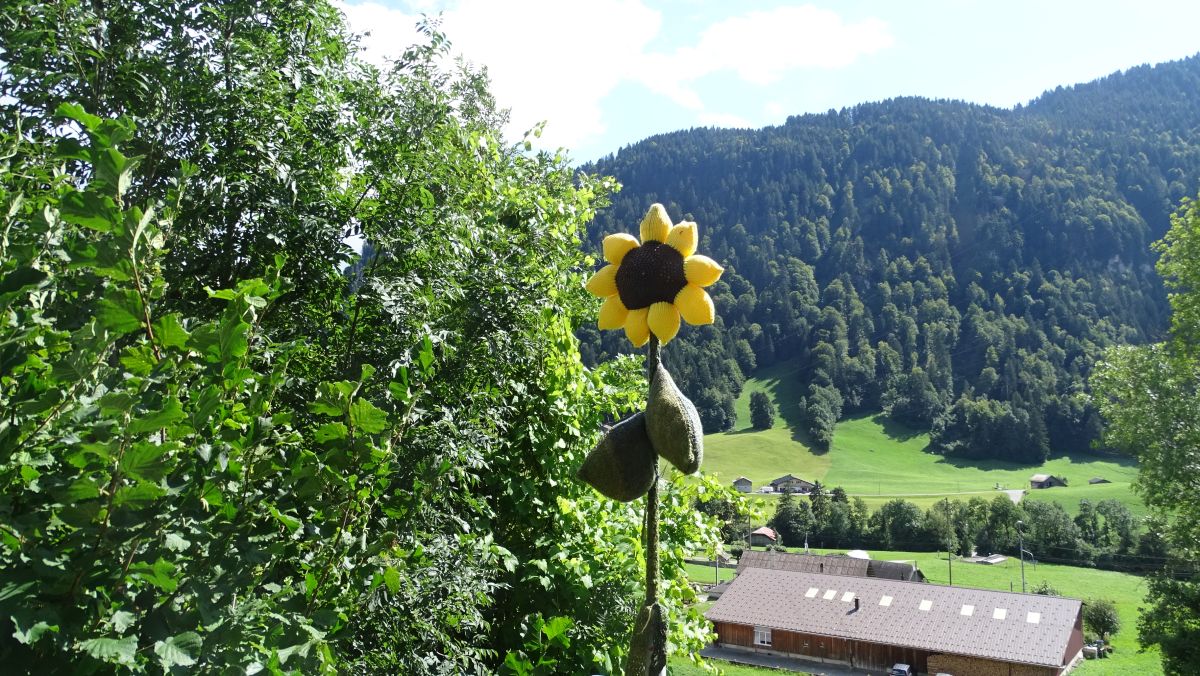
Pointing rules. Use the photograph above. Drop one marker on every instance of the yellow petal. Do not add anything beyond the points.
(701, 270)
(613, 313)
(695, 305)
(616, 246)
(637, 330)
(604, 282)
(656, 225)
(664, 321)
(684, 237)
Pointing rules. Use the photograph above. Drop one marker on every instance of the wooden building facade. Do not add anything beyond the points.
(872, 624)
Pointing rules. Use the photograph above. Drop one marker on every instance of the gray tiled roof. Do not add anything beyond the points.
(785, 600)
(803, 563)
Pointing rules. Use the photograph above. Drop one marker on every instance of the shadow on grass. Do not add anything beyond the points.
(894, 430)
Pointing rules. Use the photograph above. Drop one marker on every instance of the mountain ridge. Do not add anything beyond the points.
(959, 266)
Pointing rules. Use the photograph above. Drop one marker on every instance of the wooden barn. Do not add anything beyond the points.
(871, 624)
(1046, 481)
(763, 536)
(832, 564)
(742, 484)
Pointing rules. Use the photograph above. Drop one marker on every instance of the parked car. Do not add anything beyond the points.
(900, 670)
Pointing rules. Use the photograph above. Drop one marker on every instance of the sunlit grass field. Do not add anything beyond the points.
(878, 459)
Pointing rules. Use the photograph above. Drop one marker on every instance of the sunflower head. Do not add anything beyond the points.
(649, 286)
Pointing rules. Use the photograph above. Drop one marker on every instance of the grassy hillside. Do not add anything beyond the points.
(1126, 591)
(878, 459)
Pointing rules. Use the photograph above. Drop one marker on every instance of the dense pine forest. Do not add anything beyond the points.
(960, 267)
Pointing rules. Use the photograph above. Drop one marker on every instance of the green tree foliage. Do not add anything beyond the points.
(910, 253)
(986, 428)
(762, 411)
(1150, 396)
(793, 520)
(729, 514)
(899, 524)
(229, 440)
(1101, 618)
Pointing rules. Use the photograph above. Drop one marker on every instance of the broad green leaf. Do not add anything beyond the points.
(179, 651)
(391, 577)
(289, 522)
(122, 620)
(366, 417)
(116, 402)
(139, 359)
(556, 627)
(161, 574)
(17, 281)
(82, 489)
(28, 627)
(169, 331)
(112, 650)
(233, 338)
(171, 412)
(74, 111)
(330, 432)
(72, 369)
(138, 495)
(144, 461)
(90, 210)
(118, 312)
(176, 542)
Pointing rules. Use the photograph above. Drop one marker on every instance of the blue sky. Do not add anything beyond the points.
(607, 73)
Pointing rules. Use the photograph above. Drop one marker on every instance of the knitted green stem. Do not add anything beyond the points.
(652, 361)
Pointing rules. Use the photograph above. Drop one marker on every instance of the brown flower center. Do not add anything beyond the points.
(649, 274)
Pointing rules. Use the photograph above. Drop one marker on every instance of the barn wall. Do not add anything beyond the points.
(1075, 643)
(881, 656)
(734, 634)
(960, 665)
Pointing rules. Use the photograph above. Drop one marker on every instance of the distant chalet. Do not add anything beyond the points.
(830, 564)
(1046, 481)
(792, 484)
(742, 484)
(870, 623)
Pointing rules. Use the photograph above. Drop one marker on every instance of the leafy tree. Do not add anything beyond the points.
(256, 445)
(762, 411)
(1118, 530)
(1149, 395)
(1100, 616)
(898, 524)
(793, 520)
(731, 517)
(942, 521)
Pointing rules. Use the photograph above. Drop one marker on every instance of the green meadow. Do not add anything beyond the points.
(1125, 590)
(878, 459)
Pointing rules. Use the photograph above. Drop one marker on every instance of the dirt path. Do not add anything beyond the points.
(1013, 494)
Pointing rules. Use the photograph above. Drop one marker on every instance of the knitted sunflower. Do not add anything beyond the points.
(648, 287)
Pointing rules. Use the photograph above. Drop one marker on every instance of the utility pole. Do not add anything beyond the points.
(950, 563)
(1021, 545)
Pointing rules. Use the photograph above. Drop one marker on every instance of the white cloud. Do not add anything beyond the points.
(773, 109)
(557, 61)
(547, 60)
(760, 47)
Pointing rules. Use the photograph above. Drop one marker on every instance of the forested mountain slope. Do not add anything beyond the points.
(956, 265)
